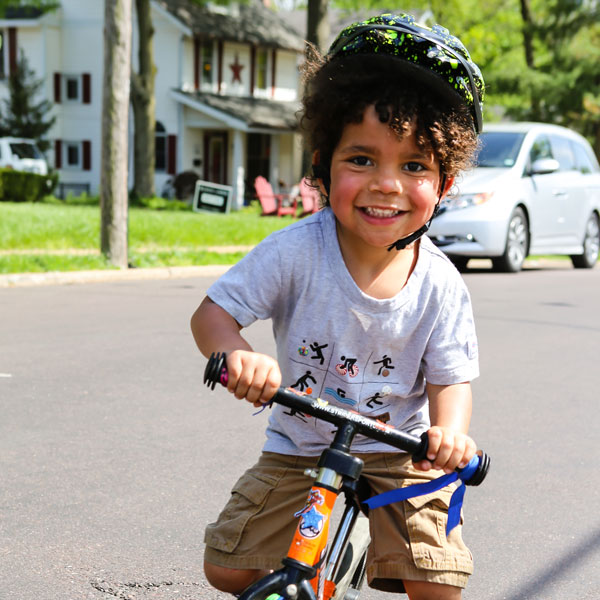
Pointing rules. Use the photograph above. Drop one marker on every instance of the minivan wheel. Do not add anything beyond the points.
(517, 244)
(591, 245)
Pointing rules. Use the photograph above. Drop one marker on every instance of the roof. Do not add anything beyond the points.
(253, 113)
(249, 22)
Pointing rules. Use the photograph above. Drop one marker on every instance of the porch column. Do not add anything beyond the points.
(274, 175)
(238, 170)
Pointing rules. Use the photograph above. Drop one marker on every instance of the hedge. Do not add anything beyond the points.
(20, 186)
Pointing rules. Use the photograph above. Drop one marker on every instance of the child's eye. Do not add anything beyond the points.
(361, 161)
(414, 167)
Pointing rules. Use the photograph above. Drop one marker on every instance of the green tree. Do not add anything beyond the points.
(24, 114)
(26, 6)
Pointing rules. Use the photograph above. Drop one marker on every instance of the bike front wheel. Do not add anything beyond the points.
(352, 572)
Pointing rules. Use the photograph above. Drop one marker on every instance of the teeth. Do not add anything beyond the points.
(381, 212)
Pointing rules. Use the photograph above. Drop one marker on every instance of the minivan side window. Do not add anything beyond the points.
(582, 159)
(561, 148)
(541, 149)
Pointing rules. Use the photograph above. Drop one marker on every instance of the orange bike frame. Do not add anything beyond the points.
(310, 540)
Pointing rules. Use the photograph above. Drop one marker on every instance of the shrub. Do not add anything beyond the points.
(20, 186)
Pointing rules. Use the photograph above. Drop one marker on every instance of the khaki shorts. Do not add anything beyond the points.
(409, 541)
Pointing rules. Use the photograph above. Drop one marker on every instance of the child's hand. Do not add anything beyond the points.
(253, 376)
(448, 449)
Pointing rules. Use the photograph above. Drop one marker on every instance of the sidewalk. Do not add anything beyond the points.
(72, 277)
(136, 274)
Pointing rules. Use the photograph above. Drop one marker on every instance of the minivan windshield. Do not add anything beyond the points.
(25, 150)
(499, 149)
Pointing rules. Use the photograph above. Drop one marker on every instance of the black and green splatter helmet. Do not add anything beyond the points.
(430, 53)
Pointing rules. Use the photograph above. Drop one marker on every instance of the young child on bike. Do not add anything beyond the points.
(367, 313)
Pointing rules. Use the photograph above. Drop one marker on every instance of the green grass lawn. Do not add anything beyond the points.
(156, 237)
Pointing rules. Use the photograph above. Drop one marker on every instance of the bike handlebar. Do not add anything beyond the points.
(216, 372)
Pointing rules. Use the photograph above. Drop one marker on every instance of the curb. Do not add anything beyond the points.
(75, 277)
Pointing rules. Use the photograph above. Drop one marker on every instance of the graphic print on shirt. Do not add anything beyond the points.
(377, 400)
(340, 396)
(347, 377)
(347, 367)
(386, 365)
(303, 383)
(316, 348)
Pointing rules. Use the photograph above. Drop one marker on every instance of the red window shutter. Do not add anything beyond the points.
(57, 81)
(219, 65)
(171, 154)
(196, 64)
(86, 84)
(86, 147)
(12, 50)
(57, 154)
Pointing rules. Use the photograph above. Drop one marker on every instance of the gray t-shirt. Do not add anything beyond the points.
(337, 343)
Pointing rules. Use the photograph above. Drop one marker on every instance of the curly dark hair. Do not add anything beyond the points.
(338, 91)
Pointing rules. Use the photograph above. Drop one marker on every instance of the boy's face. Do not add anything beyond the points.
(382, 188)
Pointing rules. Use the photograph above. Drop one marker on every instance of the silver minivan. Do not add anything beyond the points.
(22, 154)
(535, 190)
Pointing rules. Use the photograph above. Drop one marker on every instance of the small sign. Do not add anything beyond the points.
(212, 197)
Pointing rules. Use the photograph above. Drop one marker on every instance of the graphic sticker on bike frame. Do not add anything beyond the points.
(311, 520)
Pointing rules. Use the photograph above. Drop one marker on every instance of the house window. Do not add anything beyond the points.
(72, 156)
(72, 88)
(207, 62)
(261, 69)
(160, 147)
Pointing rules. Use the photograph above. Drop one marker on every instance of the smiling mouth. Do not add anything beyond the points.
(381, 213)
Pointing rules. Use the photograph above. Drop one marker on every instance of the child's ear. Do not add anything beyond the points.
(445, 184)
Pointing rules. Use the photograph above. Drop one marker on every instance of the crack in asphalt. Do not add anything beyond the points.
(123, 590)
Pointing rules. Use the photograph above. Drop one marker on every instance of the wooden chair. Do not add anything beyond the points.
(272, 204)
(310, 198)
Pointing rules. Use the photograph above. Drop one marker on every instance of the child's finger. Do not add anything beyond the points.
(455, 450)
(470, 450)
(234, 371)
(435, 435)
(272, 383)
(256, 388)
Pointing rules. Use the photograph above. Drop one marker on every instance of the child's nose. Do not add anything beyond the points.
(386, 181)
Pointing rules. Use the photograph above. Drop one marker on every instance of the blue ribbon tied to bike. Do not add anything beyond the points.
(420, 489)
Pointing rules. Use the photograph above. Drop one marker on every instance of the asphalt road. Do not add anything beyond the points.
(113, 457)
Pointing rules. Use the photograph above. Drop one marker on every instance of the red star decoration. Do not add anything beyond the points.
(236, 67)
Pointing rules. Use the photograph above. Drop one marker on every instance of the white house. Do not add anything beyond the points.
(226, 89)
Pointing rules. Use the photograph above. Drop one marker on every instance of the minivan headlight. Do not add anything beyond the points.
(466, 200)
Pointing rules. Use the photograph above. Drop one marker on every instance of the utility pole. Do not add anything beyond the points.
(115, 110)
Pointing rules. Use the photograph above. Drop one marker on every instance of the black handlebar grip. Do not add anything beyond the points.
(421, 453)
(482, 469)
(216, 370)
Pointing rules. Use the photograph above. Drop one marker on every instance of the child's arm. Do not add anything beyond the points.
(253, 376)
(450, 412)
